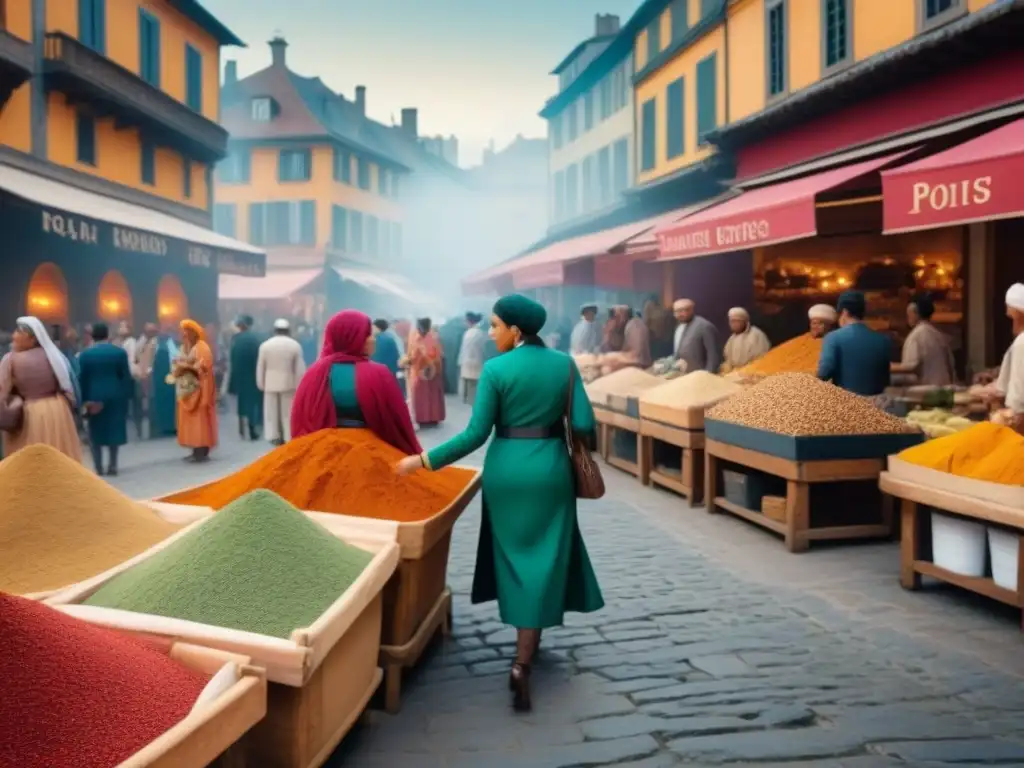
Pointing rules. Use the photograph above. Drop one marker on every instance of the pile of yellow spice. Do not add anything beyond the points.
(987, 451)
(799, 355)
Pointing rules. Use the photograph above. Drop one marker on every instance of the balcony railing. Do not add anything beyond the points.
(15, 64)
(87, 77)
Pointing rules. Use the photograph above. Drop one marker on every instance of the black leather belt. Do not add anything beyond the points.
(531, 433)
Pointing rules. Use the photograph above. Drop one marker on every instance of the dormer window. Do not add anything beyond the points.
(262, 109)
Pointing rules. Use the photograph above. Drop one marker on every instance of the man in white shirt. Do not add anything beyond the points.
(130, 345)
(279, 368)
(1009, 387)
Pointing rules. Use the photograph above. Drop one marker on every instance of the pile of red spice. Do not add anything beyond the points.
(79, 696)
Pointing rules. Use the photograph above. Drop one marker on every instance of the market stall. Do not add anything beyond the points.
(672, 430)
(617, 412)
(348, 474)
(962, 511)
(791, 439)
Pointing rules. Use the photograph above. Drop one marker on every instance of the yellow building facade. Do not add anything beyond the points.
(307, 170)
(702, 64)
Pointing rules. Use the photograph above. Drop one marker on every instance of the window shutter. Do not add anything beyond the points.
(85, 129)
(385, 238)
(674, 119)
(257, 223)
(186, 173)
(649, 115)
(193, 78)
(356, 235)
(371, 235)
(307, 222)
(707, 97)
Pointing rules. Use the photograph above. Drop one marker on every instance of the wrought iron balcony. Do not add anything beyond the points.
(15, 64)
(89, 78)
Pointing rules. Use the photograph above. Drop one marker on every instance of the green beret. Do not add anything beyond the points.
(525, 314)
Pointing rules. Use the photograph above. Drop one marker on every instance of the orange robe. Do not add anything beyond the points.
(197, 413)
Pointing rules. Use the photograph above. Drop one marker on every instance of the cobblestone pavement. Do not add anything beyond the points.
(716, 646)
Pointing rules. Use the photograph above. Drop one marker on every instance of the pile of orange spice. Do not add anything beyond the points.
(343, 471)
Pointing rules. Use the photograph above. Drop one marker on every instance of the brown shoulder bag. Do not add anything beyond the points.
(587, 475)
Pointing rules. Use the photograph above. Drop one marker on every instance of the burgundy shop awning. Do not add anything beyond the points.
(765, 216)
(979, 180)
(278, 284)
(547, 266)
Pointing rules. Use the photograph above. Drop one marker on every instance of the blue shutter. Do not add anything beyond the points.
(149, 48)
(307, 222)
(679, 19)
(356, 235)
(604, 175)
(648, 116)
(777, 48)
(186, 171)
(707, 97)
(193, 78)
(92, 24)
(148, 156)
(620, 169)
(85, 135)
(371, 235)
(282, 165)
(385, 238)
(257, 223)
(339, 227)
(676, 142)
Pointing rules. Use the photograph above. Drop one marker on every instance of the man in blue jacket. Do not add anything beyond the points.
(855, 357)
(107, 388)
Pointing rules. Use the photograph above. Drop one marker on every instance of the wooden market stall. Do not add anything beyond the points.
(617, 413)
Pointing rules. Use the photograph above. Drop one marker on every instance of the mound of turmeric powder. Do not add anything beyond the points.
(986, 451)
(344, 471)
(799, 355)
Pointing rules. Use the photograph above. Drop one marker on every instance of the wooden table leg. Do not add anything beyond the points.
(606, 441)
(798, 515)
(644, 457)
(694, 459)
(910, 546)
(888, 503)
(393, 689)
(710, 481)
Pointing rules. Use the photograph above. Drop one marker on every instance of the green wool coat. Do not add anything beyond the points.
(531, 556)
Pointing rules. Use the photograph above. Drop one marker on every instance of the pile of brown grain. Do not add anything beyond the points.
(61, 524)
(802, 405)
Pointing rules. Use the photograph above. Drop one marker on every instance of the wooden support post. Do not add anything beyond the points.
(910, 546)
(798, 515)
(710, 481)
(645, 457)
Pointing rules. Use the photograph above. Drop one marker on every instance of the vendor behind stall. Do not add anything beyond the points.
(747, 342)
(637, 343)
(822, 320)
(1009, 387)
(926, 352)
(586, 336)
(855, 357)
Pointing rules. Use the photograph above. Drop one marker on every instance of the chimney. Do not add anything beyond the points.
(606, 24)
(361, 99)
(231, 72)
(277, 49)
(410, 122)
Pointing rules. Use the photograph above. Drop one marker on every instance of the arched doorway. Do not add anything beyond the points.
(47, 295)
(171, 301)
(114, 298)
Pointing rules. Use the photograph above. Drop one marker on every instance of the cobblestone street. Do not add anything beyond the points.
(716, 646)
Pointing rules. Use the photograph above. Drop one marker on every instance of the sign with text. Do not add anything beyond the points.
(98, 235)
(935, 195)
(719, 231)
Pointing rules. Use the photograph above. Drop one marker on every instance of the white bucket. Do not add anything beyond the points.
(958, 545)
(1002, 546)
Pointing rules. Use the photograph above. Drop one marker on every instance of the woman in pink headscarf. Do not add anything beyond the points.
(344, 388)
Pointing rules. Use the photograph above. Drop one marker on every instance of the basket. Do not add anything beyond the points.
(774, 508)
(748, 489)
(322, 677)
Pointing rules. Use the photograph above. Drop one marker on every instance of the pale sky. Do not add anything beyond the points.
(474, 68)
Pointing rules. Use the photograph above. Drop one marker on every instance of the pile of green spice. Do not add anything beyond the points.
(258, 565)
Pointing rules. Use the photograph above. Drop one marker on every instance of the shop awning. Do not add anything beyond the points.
(979, 180)
(277, 284)
(647, 241)
(765, 216)
(390, 283)
(68, 213)
(546, 266)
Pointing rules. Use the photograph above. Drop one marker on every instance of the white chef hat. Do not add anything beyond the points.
(738, 313)
(1015, 297)
(822, 312)
(682, 304)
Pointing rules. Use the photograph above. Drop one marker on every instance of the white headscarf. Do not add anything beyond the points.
(1015, 297)
(57, 361)
(822, 312)
(739, 313)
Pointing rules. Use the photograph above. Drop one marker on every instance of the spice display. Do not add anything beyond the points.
(80, 696)
(799, 404)
(694, 390)
(625, 382)
(986, 451)
(258, 565)
(939, 422)
(60, 523)
(344, 471)
(799, 355)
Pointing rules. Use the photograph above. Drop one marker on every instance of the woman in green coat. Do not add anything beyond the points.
(531, 556)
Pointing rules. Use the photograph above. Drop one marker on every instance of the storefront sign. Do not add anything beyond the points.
(70, 227)
(139, 242)
(715, 238)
